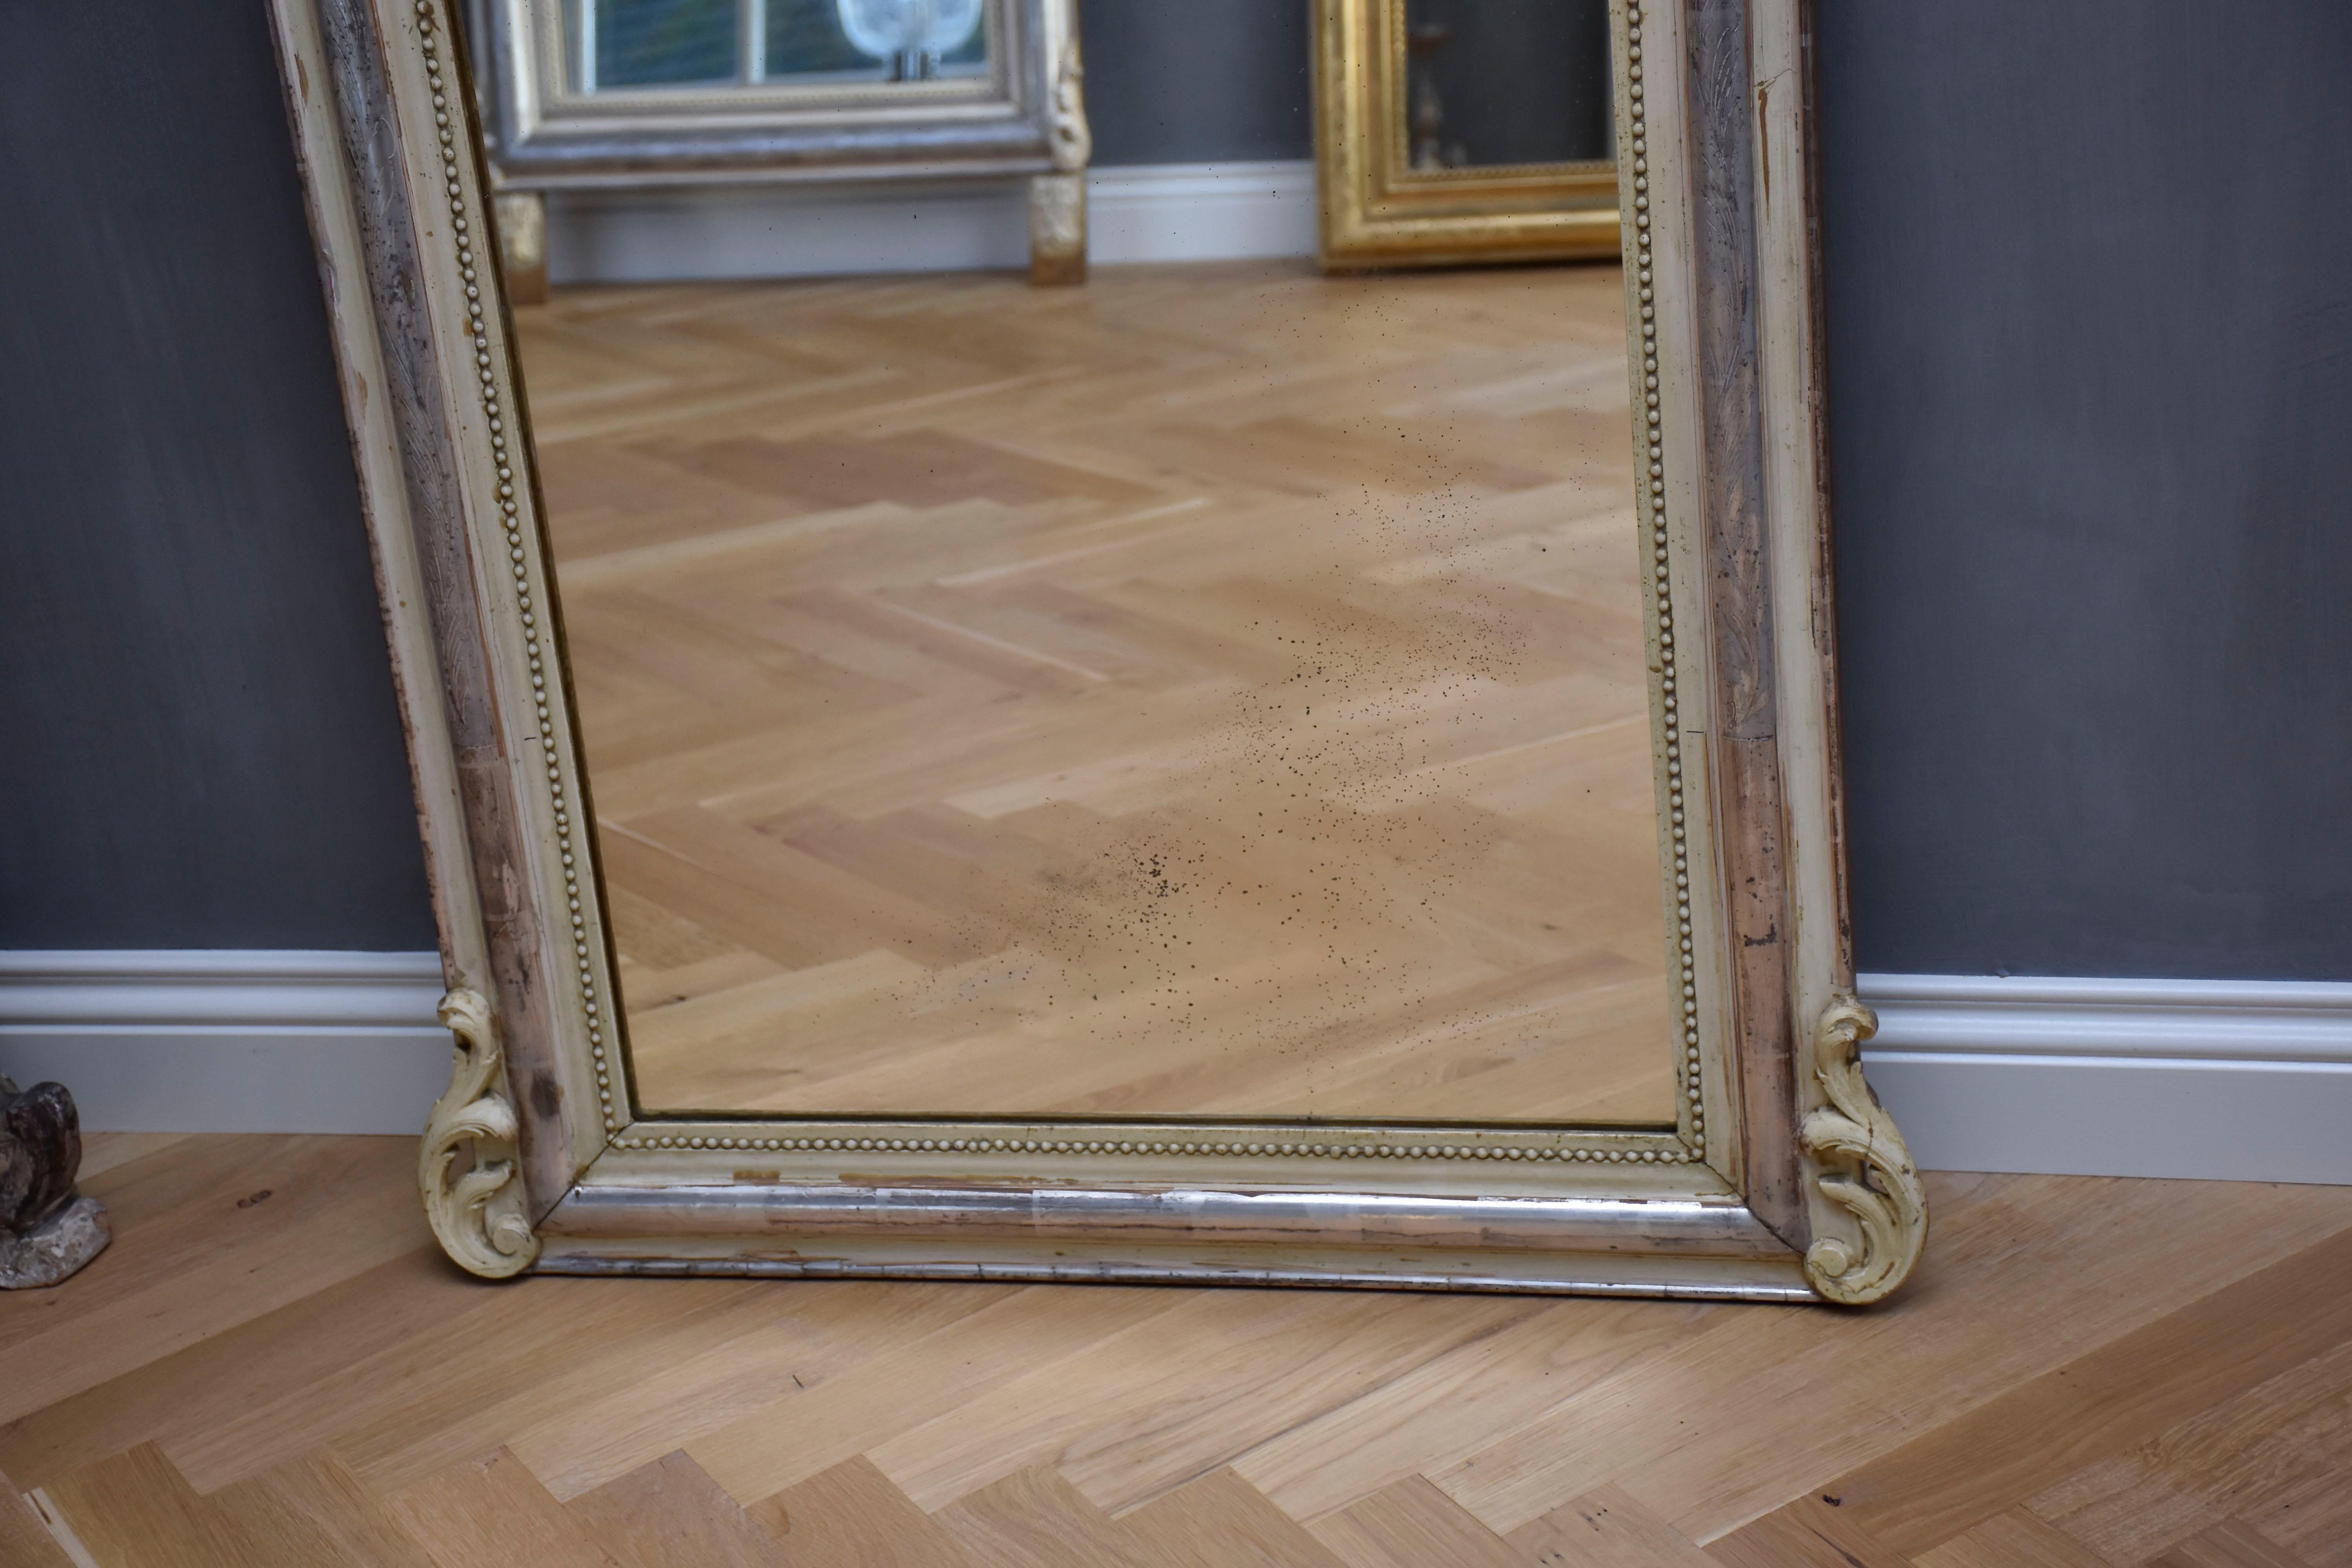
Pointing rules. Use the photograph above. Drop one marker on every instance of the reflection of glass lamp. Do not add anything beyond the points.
(912, 34)
(1423, 40)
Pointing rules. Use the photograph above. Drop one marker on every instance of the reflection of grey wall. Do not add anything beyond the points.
(1196, 82)
(1520, 81)
(2090, 314)
(198, 746)
(1210, 80)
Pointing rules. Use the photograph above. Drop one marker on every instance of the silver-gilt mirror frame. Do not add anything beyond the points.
(1782, 1179)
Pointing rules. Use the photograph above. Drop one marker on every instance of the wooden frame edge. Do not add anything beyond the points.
(421, 336)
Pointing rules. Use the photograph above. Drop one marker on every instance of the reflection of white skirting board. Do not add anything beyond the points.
(1177, 211)
(205, 1041)
(2245, 1080)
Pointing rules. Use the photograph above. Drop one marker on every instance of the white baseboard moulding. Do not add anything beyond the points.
(2240, 1080)
(2219, 1079)
(229, 1041)
(1176, 212)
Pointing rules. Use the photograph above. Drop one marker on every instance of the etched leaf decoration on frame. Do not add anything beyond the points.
(1866, 1168)
(476, 1208)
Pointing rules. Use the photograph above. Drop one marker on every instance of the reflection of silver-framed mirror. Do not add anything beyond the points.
(581, 94)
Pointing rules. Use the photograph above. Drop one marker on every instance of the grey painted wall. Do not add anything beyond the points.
(2090, 341)
(2089, 275)
(198, 746)
(1197, 81)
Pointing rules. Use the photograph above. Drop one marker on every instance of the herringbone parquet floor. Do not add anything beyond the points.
(274, 1368)
(839, 637)
(1215, 689)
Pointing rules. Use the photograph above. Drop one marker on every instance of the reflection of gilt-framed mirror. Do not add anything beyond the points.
(1249, 776)
(588, 94)
(1459, 130)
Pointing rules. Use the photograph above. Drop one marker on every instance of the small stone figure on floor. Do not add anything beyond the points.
(47, 1230)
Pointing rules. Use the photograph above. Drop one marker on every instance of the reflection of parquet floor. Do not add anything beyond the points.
(1215, 689)
(273, 1368)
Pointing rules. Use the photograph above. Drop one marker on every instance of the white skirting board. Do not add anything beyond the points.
(1177, 211)
(229, 1041)
(2248, 1081)
(2224, 1079)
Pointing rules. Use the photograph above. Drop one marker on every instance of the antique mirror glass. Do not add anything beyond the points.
(1221, 692)
(1228, 772)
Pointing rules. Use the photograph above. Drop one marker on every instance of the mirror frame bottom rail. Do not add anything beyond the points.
(1584, 1247)
(1694, 1248)
(1782, 1178)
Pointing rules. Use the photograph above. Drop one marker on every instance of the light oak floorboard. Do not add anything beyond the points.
(2147, 1365)
(23, 1539)
(1458, 1399)
(851, 1516)
(2012, 1539)
(946, 1371)
(233, 1404)
(135, 1510)
(669, 1514)
(1221, 1519)
(299, 1215)
(1408, 1523)
(315, 1511)
(492, 1513)
(2253, 1456)
(1969, 1326)
(1035, 1519)
(101, 1152)
(1154, 1404)
(2230, 1544)
(1606, 1529)
(747, 1363)
(2005, 1450)
(1811, 1531)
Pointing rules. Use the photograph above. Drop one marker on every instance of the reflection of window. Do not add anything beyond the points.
(645, 43)
(660, 43)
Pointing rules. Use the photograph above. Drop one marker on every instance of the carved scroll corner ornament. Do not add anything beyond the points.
(467, 1169)
(1068, 141)
(1862, 1166)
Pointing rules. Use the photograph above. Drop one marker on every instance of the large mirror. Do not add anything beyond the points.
(1236, 773)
